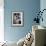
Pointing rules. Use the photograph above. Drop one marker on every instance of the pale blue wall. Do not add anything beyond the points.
(43, 6)
(29, 7)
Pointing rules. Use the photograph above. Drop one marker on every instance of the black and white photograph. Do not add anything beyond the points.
(17, 18)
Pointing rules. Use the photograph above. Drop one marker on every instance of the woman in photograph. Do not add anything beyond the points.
(17, 18)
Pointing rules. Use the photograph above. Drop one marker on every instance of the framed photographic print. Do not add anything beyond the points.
(17, 19)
